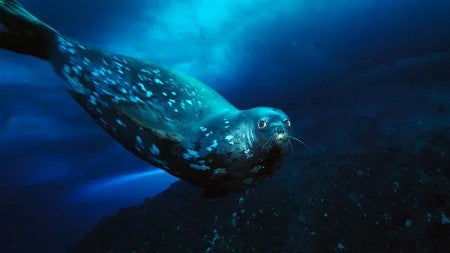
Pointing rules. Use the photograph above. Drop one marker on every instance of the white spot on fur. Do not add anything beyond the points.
(139, 140)
(120, 123)
(212, 146)
(77, 69)
(200, 167)
(190, 154)
(256, 169)
(155, 150)
(92, 100)
(219, 171)
(248, 153)
(66, 69)
(139, 143)
(248, 181)
(171, 102)
(229, 137)
(141, 86)
(103, 122)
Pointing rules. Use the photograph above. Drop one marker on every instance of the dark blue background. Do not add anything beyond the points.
(351, 74)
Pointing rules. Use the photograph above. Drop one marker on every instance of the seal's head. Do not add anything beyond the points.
(254, 145)
(266, 133)
(270, 128)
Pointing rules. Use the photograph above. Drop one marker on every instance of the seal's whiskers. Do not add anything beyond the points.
(269, 141)
(296, 139)
(290, 146)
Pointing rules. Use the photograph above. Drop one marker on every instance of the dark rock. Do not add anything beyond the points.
(388, 200)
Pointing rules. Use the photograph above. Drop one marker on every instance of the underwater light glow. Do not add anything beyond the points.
(205, 39)
(125, 189)
(123, 179)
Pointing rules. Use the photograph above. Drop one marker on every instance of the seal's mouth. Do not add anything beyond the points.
(281, 137)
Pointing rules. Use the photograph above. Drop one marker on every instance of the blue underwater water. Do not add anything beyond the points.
(351, 75)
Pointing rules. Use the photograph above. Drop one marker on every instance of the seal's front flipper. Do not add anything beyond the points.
(23, 33)
(149, 118)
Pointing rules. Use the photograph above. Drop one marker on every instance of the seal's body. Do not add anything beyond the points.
(164, 117)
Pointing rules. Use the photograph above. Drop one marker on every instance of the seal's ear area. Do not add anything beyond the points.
(149, 118)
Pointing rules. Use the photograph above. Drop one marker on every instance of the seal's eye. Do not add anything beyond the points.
(262, 124)
(287, 123)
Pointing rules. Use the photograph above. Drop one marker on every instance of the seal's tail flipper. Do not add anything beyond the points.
(23, 33)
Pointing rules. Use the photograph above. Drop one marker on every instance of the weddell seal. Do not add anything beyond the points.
(166, 118)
